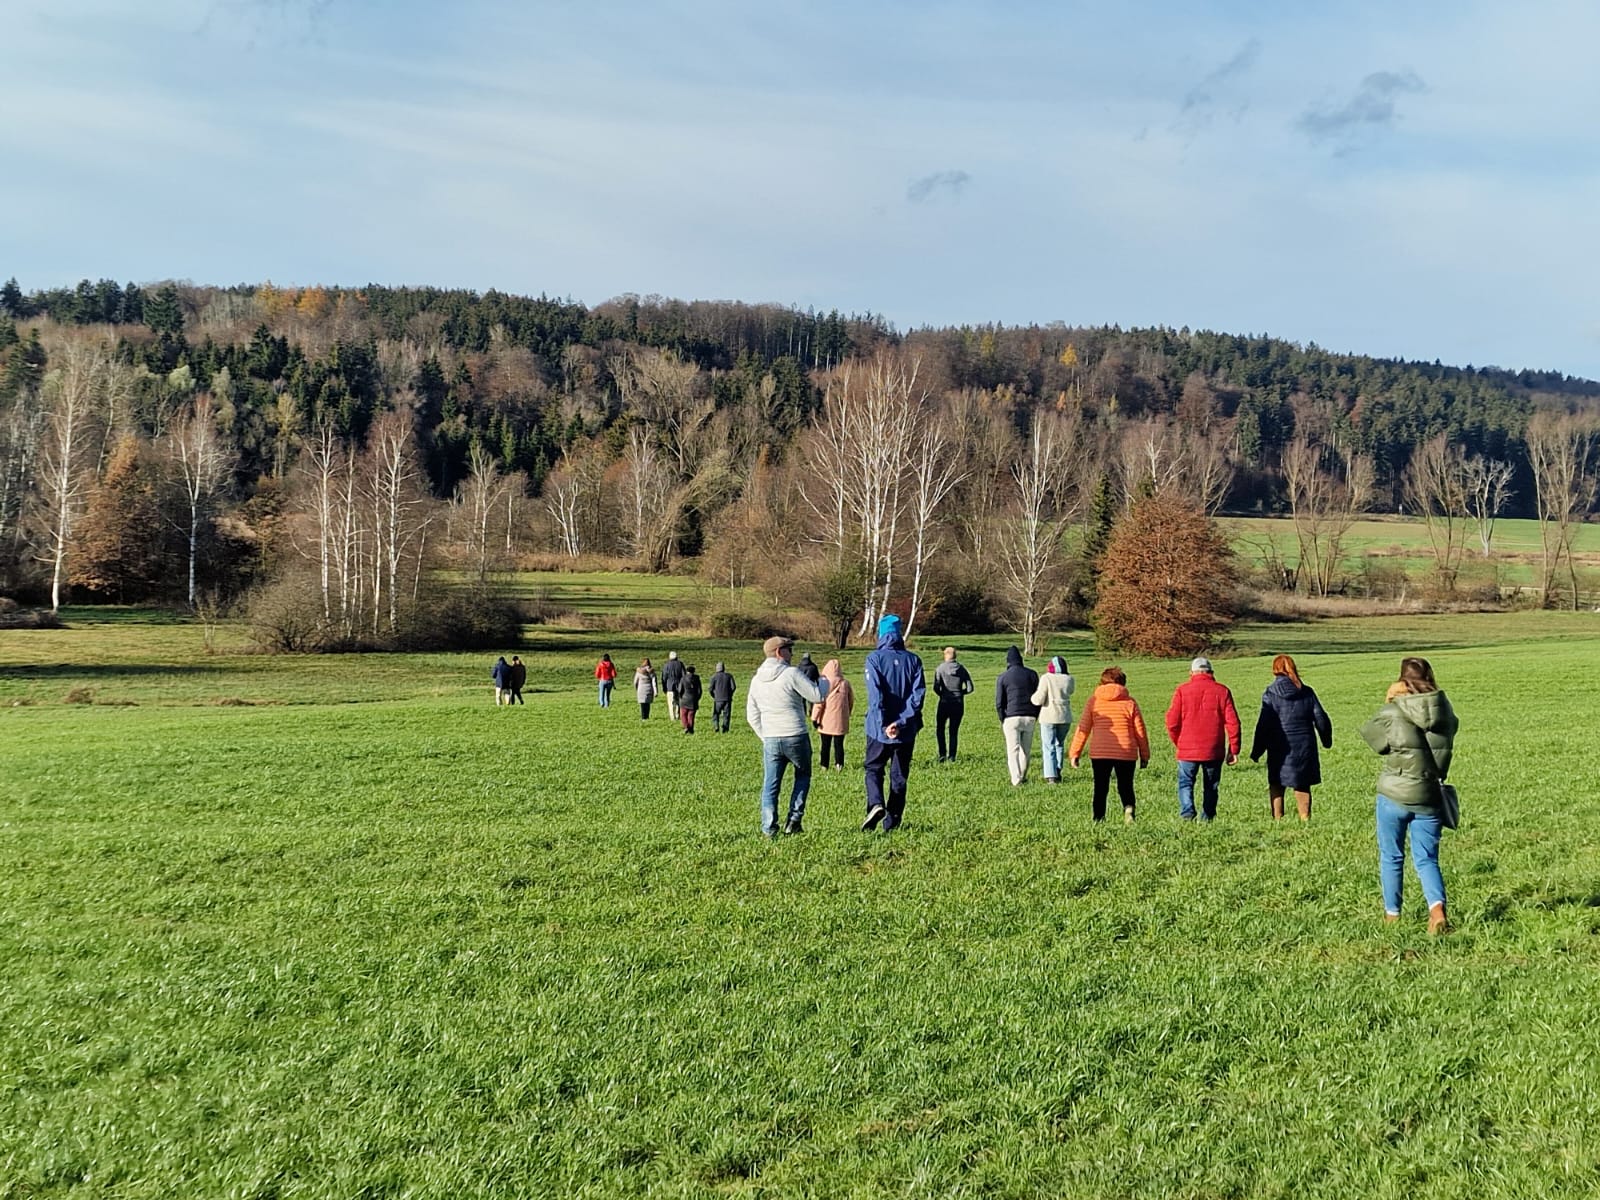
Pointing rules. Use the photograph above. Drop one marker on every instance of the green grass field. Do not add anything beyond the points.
(340, 927)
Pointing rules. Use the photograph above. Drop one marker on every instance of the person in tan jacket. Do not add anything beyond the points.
(1113, 729)
(832, 716)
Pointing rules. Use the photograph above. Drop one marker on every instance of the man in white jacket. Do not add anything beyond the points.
(776, 705)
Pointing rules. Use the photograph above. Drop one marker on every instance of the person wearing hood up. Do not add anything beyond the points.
(671, 676)
(1287, 731)
(1113, 729)
(775, 706)
(1054, 698)
(1013, 702)
(896, 689)
(722, 686)
(832, 716)
(688, 697)
(1204, 727)
(1415, 732)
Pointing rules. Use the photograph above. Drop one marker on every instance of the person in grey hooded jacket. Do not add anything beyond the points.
(776, 706)
(952, 685)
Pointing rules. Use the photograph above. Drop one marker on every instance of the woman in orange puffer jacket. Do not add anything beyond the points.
(1113, 728)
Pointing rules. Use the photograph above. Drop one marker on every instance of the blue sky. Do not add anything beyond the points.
(1420, 180)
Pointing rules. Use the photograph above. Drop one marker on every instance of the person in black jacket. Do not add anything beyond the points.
(671, 676)
(688, 698)
(1287, 731)
(1013, 701)
(722, 687)
(519, 678)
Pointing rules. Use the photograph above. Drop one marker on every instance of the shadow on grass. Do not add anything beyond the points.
(120, 670)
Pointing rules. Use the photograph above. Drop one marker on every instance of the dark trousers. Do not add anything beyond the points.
(950, 715)
(644, 710)
(897, 757)
(836, 741)
(1102, 783)
(720, 713)
(516, 694)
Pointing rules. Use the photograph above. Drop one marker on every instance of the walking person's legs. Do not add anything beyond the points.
(877, 757)
(1102, 785)
(899, 772)
(1186, 774)
(1124, 769)
(1016, 760)
(1053, 751)
(957, 712)
(1275, 798)
(772, 765)
(1392, 822)
(1302, 803)
(1211, 781)
(1425, 834)
(644, 710)
(798, 751)
(939, 722)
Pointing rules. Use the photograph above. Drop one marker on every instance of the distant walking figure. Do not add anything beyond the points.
(1287, 732)
(1054, 698)
(644, 688)
(606, 672)
(501, 674)
(952, 685)
(1204, 727)
(1113, 729)
(688, 698)
(1014, 704)
(722, 687)
(519, 679)
(832, 716)
(1415, 732)
(671, 676)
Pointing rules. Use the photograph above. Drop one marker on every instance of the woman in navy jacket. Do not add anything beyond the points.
(1287, 731)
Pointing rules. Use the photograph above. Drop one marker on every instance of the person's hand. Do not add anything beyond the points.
(1075, 763)
(1233, 760)
(1143, 763)
(892, 731)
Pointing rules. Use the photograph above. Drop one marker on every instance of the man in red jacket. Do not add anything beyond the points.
(1204, 726)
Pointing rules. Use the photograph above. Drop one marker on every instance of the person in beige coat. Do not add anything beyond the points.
(832, 716)
(1054, 698)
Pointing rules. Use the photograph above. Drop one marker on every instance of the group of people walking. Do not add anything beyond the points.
(1413, 731)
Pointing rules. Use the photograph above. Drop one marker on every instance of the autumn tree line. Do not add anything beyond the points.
(343, 455)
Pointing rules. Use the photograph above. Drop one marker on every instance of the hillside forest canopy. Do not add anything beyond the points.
(175, 442)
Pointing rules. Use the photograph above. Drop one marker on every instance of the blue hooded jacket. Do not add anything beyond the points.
(895, 686)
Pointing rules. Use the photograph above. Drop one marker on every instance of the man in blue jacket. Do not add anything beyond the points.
(895, 691)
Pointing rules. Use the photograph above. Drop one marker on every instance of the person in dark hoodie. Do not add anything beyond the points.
(1287, 732)
(1415, 732)
(952, 685)
(1019, 715)
(896, 689)
(688, 697)
(722, 687)
(809, 669)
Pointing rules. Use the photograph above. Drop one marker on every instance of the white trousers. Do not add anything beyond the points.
(1019, 745)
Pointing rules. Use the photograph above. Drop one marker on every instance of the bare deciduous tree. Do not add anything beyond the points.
(480, 501)
(1561, 450)
(1486, 483)
(202, 464)
(73, 400)
(936, 469)
(1048, 482)
(1433, 485)
(1324, 502)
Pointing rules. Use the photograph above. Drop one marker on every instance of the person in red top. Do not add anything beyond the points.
(1204, 726)
(606, 672)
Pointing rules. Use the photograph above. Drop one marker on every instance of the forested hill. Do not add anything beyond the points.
(530, 378)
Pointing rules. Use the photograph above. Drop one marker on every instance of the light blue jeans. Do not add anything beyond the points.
(776, 753)
(1053, 745)
(1210, 777)
(605, 693)
(1393, 822)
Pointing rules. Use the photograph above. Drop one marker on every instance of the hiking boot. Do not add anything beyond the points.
(1390, 918)
(1437, 922)
(874, 815)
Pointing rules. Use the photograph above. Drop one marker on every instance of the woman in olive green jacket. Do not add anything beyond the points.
(1414, 732)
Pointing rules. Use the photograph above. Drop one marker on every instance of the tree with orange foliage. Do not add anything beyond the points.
(118, 548)
(1166, 587)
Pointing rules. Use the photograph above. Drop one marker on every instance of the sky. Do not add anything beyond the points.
(1416, 180)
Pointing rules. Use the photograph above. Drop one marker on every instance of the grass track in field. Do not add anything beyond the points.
(421, 946)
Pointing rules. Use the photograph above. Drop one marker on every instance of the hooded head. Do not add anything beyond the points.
(831, 672)
(1013, 657)
(1058, 665)
(805, 657)
(889, 627)
(689, 667)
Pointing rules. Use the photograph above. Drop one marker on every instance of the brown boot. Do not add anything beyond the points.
(1390, 918)
(1277, 807)
(1302, 801)
(1437, 922)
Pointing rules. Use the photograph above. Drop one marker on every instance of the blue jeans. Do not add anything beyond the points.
(1393, 821)
(1210, 776)
(776, 753)
(605, 693)
(1054, 748)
